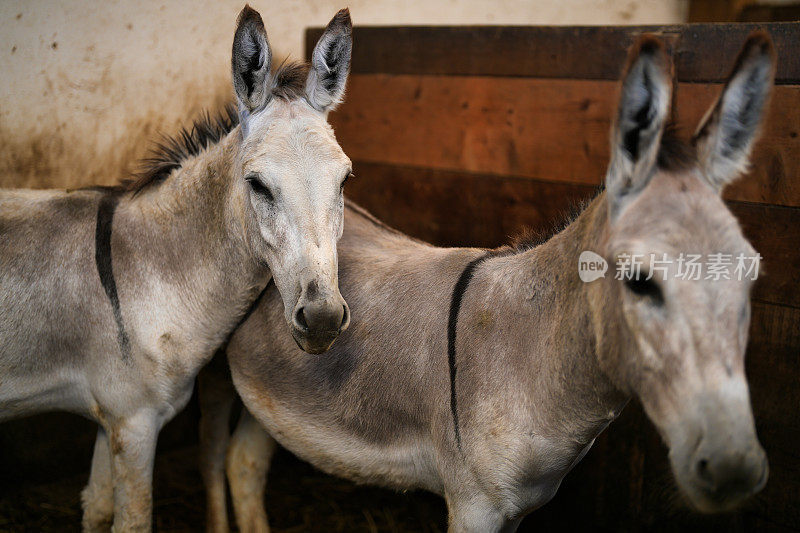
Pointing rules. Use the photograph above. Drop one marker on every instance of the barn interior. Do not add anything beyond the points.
(467, 122)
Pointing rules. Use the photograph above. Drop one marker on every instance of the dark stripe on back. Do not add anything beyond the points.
(452, 323)
(102, 257)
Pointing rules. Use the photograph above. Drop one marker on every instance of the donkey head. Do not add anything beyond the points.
(675, 341)
(291, 172)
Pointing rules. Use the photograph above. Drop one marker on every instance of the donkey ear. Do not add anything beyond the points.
(641, 118)
(251, 62)
(726, 135)
(330, 63)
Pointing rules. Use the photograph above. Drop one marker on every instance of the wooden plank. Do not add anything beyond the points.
(715, 10)
(775, 233)
(456, 209)
(556, 130)
(459, 209)
(702, 52)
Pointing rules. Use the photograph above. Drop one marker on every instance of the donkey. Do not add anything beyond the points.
(485, 376)
(114, 298)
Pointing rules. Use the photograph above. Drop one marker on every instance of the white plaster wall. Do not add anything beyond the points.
(85, 84)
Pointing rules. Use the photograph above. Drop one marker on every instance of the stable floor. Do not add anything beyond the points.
(299, 499)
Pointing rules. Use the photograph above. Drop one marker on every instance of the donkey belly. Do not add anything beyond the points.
(327, 444)
(49, 312)
(31, 394)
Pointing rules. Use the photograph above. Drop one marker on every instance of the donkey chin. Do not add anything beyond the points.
(714, 452)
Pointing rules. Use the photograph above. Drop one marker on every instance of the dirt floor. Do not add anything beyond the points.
(299, 499)
(44, 463)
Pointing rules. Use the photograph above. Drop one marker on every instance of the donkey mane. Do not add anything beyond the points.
(168, 154)
(528, 238)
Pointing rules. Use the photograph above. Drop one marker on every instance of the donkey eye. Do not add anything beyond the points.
(259, 188)
(349, 175)
(645, 288)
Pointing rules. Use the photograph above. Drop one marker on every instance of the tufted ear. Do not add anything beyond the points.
(641, 118)
(330, 63)
(727, 133)
(251, 62)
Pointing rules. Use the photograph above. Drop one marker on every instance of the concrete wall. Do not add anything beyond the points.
(85, 85)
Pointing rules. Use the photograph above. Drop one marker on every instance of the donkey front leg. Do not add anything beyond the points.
(248, 460)
(133, 445)
(216, 394)
(98, 496)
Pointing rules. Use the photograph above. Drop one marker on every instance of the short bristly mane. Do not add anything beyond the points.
(288, 83)
(170, 152)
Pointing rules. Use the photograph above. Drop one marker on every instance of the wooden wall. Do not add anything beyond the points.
(465, 135)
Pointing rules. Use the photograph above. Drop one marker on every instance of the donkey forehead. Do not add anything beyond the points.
(678, 213)
(287, 133)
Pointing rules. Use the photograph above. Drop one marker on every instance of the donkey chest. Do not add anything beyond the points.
(525, 472)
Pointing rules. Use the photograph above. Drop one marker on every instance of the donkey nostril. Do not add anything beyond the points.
(300, 318)
(703, 471)
(345, 318)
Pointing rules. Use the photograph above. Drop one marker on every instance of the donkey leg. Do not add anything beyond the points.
(248, 461)
(98, 496)
(216, 395)
(133, 446)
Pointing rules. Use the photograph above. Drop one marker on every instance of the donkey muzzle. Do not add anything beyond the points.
(317, 323)
(720, 462)
(725, 474)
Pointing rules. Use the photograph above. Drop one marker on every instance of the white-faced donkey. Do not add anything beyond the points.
(113, 298)
(485, 376)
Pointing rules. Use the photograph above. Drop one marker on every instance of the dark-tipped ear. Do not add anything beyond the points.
(330, 63)
(251, 62)
(640, 121)
(727, 133)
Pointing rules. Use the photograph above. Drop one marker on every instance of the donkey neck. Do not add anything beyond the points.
(545, 331)
(198, 193)
(190, 231)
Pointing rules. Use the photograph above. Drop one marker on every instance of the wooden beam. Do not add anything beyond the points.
(553, 130)
(702, 52)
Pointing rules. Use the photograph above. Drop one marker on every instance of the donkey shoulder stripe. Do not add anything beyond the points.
(102, 257)
(452, 323)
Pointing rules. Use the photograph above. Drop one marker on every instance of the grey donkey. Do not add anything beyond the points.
(113, 298)
(485, 376)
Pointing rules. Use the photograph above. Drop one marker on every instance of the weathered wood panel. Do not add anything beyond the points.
(555, 130)
(457, 209)
(702, 52)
